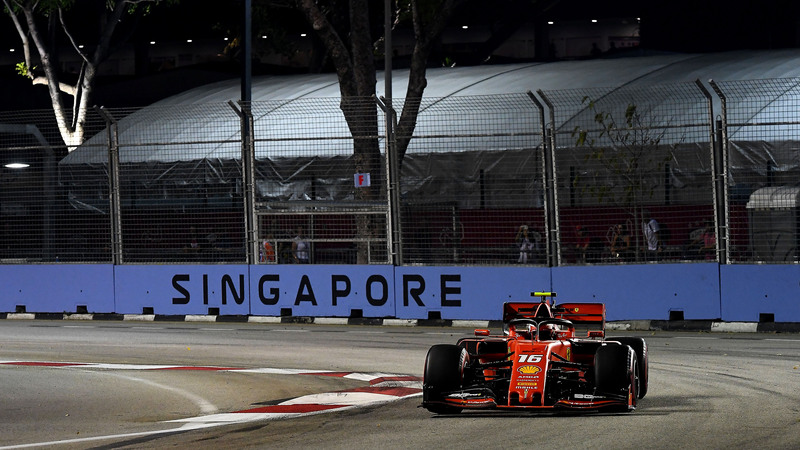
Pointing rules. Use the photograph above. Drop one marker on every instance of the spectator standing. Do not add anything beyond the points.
(587, 248)
(651, 229)
(300, 248)
(525, 245)
(620, 242)
(267, 250)
(582, 241)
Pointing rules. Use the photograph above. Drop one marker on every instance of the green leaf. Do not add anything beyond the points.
(22, 69)
(581, 138)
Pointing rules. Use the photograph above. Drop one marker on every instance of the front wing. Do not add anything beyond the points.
(484, 399)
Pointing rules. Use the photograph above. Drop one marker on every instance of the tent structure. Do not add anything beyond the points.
(206, 139)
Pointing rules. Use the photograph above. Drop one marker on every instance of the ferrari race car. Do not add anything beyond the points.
(539, 363)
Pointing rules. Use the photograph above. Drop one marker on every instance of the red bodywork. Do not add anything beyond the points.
(544, 360)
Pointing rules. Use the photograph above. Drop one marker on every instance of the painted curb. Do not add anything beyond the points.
(715, 326)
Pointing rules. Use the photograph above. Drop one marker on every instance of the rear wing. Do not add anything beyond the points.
(529, 310)
(585, 316)
(523, 310)
(591, 315)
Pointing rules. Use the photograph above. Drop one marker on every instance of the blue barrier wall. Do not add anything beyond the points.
(650, 291)
(57, 288)
(177, 289)
(322, 291)
(464, 292)
(750, 290)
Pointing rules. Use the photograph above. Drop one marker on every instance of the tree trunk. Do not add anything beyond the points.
(355, 67)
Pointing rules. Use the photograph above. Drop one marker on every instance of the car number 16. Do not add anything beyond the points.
(530, 358)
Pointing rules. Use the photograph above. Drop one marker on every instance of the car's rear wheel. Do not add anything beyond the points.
(639, 347)
(615, 371)
(444, 372)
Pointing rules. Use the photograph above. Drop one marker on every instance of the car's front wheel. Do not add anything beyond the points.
(639, 346)
(615, 372)
(444, 372)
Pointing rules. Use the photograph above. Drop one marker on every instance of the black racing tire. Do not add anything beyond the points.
(444, 372)
(612, 368)
(639, 347)
(616, 372)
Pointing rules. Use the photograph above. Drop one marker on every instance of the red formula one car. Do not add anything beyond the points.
(539, 363)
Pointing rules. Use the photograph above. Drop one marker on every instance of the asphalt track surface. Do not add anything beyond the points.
(138, 385)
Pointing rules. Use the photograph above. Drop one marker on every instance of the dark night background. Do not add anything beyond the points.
(665, 26)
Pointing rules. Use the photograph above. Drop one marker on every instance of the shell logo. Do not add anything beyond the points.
(529, 370)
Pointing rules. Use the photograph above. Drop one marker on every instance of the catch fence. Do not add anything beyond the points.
(566, 177)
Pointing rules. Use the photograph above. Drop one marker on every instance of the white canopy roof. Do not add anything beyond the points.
(517, 78)
(158, 122)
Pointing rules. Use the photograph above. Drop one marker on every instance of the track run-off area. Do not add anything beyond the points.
(112, 384)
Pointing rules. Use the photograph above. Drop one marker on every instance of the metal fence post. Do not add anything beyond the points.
(717, 180)
(720, 168)
(248, 173)
(394, 193)
(113, 185)
(551, 188)
(545, 177)
(393, 228)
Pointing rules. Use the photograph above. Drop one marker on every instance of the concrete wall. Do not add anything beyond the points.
(653, 291)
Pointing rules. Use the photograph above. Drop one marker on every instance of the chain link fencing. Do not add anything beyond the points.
(320, 182)
(472, 182)
(631, 164)
(761, 129)
(547, 178)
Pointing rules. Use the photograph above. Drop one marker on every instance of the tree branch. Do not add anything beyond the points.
(69, 36)
(108, 27)
(334, 44)
(425, 36)
(26, 46)
(63, 87)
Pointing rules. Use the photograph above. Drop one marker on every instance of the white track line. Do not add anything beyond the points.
(383, 388)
